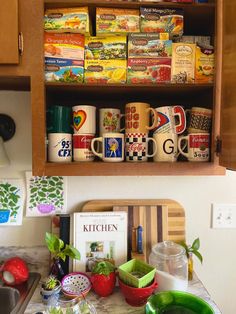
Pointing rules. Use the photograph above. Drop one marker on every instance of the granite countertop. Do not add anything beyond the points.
(116, 303)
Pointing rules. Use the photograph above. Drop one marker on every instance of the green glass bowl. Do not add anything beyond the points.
(176, 302)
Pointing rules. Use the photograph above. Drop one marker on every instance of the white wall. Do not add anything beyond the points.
(194, 193)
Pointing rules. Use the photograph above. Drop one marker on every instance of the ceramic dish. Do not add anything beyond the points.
(176, 302)
(76, 284)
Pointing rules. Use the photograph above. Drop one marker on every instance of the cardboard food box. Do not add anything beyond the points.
(75, 20)
(105, 48)
(163, 20)
(64, 55)
(105, 71)
(110, 21)
(183, 63)
(148, 45)
(146, 71)
(205, 62)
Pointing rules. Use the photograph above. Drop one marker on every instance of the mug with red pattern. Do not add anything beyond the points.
(82, 147)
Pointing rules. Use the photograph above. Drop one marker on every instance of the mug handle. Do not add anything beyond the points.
(154, 119)
(179, 111)
(154, 146)
(122, 116)
(97, 139)
(180, 140)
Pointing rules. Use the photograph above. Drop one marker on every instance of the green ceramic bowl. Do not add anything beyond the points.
(176, 302)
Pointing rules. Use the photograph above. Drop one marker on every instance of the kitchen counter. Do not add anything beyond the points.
(116, 304)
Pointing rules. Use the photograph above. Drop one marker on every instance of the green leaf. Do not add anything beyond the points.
(52, 183)
(42, 194)
(199, 255)
(54, 243)
(33, 190)
(13, 189)
(55, 179)
(71, 252)
(196, 244)
(103, 268)
(52, 195)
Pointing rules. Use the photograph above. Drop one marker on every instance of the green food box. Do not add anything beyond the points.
(136, 273)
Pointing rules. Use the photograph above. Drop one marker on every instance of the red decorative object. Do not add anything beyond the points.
(103, 285)
(14, 271)
(137, 296)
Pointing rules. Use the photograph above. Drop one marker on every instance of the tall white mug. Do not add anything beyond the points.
(84, 119)
(167, 147)
(59, 147)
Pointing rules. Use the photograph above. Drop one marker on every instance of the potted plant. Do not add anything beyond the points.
(50, 287)
(190, 250)
(8, 201)
(59, 251)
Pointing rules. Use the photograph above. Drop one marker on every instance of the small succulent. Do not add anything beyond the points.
(50, 283)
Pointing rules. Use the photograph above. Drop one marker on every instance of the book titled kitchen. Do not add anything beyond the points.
(99, 236)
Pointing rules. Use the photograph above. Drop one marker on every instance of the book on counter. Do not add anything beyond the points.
(99, 236)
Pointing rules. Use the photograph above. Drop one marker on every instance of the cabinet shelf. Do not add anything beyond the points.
(99, 168)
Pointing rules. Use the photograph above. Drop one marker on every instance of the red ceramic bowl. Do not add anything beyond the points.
(137, 296)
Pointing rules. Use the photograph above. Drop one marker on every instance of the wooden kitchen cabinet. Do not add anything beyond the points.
(200, 19)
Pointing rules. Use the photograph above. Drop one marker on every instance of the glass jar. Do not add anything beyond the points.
(171, 263)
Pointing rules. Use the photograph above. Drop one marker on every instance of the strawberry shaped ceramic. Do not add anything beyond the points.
(14, 271)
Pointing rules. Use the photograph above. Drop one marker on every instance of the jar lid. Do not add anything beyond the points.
(168, 250)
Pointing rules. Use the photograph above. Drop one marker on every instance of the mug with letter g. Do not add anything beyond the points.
(167, 147)
(198, 146)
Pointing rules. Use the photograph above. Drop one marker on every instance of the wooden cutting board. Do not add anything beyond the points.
(161, 219)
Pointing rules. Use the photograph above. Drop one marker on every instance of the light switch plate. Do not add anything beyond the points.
(223, 216)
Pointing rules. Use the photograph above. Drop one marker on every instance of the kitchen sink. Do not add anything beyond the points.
(14, 300)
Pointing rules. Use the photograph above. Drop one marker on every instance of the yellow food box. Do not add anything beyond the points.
(105, 48)
(105, 71)
(183, 63)
(204, 71)
(74, 20)
(110, 21)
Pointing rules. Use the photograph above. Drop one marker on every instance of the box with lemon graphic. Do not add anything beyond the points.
(105, 71)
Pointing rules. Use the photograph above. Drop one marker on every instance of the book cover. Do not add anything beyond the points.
(99, 236)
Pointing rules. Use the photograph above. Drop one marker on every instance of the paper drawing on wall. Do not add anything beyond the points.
(45, 195)
(11, 201)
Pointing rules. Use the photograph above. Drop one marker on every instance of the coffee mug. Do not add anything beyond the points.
(171, 119)
(59, 147)
(136, 147)
(200, 120)
(198, 146)
(59, 119)
(82, 147)
(137, 117)
(167, 147)
(109, 120)
(112, 147)
(84, 119)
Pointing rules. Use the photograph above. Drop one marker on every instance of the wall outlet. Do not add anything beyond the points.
(223, 216)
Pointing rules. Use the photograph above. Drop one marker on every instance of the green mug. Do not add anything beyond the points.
(59, 119)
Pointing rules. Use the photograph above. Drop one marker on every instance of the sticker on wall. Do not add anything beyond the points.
(46, 196)
(11, 202)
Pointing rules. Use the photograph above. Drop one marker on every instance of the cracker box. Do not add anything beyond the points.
(105, 48)
(110, 21)
(146, 71)
(163, 20)
(204, 71)
(64, 57)
(105, 71)
(75, 20)
(147, 45)
(183, 63)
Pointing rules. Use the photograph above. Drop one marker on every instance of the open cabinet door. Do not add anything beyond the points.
(228, 100)
(9, 52)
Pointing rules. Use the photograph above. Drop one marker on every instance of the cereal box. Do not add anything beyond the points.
(183, 63)
(75, 20)
(110, 21)
(105, 71)
(204, 71)
(148, 45)
(145, 71)
(105, 48)
(163, 20)
(64, 55)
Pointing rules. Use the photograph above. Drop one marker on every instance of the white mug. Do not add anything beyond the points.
(112, 147)
(167, 147)
(198, 146)
(59, 147)
(82, 147)
(84, 119)
(109, 120)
